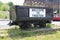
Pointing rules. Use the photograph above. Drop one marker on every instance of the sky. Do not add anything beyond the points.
(15, 2)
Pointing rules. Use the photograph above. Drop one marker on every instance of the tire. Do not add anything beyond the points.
(24, 26)
(36, 25)
(42, 24)
(48, 21)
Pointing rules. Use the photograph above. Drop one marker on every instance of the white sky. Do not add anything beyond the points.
(16, 2)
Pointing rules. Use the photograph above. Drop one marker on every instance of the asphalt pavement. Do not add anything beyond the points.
(56, 23)
(4, 24)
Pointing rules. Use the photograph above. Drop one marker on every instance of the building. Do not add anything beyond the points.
(34, 3)
(44, 3)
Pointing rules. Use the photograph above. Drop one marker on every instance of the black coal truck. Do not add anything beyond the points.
(24, 16)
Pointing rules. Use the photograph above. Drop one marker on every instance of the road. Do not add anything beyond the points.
(4, 24)
(56, 23)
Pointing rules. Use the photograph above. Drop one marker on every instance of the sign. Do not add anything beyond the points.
(35, 12)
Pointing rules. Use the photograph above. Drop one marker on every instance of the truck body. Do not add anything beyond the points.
(26, 15)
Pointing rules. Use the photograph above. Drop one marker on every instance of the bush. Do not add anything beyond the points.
(4, 15)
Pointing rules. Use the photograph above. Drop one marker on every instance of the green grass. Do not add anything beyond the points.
(17, 34)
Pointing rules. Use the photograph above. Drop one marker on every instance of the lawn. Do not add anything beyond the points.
(17, 34)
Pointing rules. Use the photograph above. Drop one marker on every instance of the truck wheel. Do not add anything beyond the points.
(42, 25)
(24, 26)
(48, 21)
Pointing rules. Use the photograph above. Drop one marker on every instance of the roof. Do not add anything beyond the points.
(44, 1)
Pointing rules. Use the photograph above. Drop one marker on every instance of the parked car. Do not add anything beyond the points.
(56, 17)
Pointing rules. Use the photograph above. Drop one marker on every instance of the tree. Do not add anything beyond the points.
(4, 6)
(1, 3)
(10, 4)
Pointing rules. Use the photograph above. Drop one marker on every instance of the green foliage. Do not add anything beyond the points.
(1, 3)
(5, 6)
(1, 6)
(4, 16)
(10, 4)
(48, 25)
